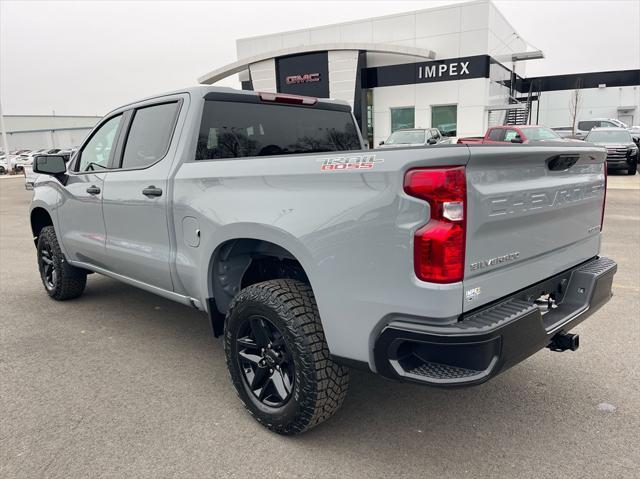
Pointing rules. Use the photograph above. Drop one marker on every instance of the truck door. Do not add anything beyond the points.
(136, 196)
(81, 219)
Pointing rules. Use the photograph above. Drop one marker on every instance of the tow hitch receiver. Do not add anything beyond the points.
(563, 341)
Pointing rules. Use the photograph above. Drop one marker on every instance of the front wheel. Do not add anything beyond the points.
(60, 279)
(633, 167)
(278, 358)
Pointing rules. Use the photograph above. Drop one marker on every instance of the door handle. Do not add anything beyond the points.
(93, 190)
(152, 191)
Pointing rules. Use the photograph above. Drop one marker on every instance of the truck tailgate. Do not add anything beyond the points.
(530, 214)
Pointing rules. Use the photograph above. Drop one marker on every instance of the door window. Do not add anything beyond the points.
(510, 135)
(586, 125)
(95, 154)
(149, 135)
(497, 134)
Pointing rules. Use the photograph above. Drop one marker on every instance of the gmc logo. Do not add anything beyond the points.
(306, 78)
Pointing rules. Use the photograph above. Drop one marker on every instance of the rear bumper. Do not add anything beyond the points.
(490, 340)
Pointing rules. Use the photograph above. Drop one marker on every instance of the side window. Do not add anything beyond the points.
(510, 135)
(436, 134)
(149, 135)
(428, 134)
(586, 125)
(95, 154)
(497, 134)
(607, 124)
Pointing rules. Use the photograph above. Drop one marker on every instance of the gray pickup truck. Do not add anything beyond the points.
(440, 266)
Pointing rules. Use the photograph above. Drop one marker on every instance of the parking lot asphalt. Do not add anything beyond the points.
(121, 383)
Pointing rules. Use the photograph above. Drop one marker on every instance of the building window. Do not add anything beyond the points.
(402, 118)
(445, 119)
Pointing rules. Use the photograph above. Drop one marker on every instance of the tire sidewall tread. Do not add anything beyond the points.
(320, 384)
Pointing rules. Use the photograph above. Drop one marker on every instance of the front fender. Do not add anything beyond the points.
(46, 195)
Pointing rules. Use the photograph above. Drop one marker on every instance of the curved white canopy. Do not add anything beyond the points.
(243, 64)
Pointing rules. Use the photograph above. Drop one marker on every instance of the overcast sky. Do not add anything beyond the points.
(88, 57)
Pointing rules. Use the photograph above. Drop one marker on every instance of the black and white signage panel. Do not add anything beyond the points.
(427, 72)
(305, 74)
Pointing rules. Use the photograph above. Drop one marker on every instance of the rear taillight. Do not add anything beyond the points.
(604, 198)
(439, 246)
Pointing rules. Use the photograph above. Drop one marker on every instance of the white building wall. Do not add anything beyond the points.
(472, 28)
(34, 140)
(469, 95)
(47, 131)
(343, 69)
(595, 103)
(263, 76)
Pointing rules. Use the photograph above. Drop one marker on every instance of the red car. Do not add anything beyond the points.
(514, 134)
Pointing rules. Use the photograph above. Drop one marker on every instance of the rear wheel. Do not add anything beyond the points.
(278, 358)
(60, 279)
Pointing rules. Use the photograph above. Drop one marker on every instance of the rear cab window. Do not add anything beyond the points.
(149, 135)
(496, 134)
(236, 129)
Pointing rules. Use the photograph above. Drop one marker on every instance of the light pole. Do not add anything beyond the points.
(5, 142)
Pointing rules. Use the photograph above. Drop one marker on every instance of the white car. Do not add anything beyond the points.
(3, 166)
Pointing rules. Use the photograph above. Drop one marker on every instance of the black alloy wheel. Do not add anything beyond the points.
(267, 367)
(48, 270)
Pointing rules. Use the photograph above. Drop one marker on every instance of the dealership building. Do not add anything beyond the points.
(460, 68)
(47, 131)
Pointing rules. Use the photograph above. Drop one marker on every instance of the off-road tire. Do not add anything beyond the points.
(69, 282)
(320, 384)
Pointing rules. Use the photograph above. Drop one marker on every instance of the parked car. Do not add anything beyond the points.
(635, 134)
(3, 166)
(585, 126)
(26, 159)
(622, 152)
(414, 137)
(514, 134)
(311, 254)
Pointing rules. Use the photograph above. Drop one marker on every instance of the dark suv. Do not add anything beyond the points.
(622, 152)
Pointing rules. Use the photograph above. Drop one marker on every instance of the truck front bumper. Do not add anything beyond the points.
(490, 340)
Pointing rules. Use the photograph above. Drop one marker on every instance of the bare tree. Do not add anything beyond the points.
(574, 105)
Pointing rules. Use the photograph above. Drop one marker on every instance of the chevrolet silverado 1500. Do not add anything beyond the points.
(441, 266)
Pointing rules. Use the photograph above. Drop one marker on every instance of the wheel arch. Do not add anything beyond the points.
(39, 218)
(238, 262)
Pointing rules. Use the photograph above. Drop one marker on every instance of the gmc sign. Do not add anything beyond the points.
(305, 78)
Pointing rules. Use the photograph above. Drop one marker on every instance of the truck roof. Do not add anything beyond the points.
(202, 91)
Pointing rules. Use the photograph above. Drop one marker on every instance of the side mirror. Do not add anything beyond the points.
(517, 139)
(381, 143)
(49, 165)
(432, 141)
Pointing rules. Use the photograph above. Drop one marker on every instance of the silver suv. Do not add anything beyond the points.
(414, 137)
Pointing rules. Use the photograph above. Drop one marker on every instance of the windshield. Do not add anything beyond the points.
(609, 136)
(618, 123)
(540, 133)
(404, 137)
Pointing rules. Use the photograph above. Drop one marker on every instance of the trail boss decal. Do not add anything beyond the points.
(360, 162)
